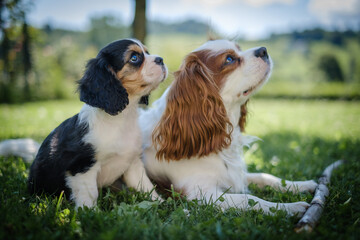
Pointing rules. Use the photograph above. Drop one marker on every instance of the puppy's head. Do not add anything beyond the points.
(121, 70)
(212, 79)
(238, 74)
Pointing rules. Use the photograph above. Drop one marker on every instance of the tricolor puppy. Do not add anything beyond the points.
(103, 142)
(193, 135)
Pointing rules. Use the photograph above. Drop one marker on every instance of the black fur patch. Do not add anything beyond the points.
(99, 87)
(113, 53)
(144, 100)
(63, 151)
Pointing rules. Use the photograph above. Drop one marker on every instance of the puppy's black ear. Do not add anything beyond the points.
(144, 100)
(100, 88)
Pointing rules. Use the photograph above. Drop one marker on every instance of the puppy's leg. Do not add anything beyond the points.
(136, 177)
(264, 179)
(84, 190)
(249, 202)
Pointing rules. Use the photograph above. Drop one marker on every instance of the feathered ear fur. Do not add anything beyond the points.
(242, 120)
(195, 121)
(100, 88)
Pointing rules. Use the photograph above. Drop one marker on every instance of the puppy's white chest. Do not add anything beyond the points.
(120, 140)
(112, 136)
(117, 154)
(116, 140)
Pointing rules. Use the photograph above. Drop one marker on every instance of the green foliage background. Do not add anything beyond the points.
(59, 57)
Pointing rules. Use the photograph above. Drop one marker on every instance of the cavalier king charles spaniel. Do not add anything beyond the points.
(103, 141)
(192, 137)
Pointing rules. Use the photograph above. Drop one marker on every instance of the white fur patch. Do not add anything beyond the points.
(217, 45)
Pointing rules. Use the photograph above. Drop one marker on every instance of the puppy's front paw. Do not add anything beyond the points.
(89, 203)
(296, 208)
(307, 186)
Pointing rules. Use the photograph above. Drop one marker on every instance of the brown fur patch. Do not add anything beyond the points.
(216, 63)
(132, 48)
(242, 120)
(130, 76)
(195, 121)
(131, 79)
(146, 49)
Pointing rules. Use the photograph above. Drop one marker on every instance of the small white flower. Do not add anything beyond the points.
(187, 212)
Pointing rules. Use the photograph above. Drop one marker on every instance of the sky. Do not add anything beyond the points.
(250, 19)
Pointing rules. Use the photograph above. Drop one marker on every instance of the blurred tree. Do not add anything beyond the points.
(14, 48)
(337, 38)
(5, 65)
(7, 77)
(26, 58)
(331, 68)
(139, 23)
(106, 29)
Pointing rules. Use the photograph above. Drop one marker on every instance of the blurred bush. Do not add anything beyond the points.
(330, 66)
(305, 63)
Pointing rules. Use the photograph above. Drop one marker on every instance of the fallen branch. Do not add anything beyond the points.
(313, 213)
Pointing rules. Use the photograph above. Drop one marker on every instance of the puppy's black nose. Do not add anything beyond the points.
(262, 53)
(159, 61)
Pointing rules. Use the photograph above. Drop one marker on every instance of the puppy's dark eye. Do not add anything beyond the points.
(134, 58)
(229, 59)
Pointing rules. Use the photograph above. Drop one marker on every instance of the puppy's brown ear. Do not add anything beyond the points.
(195, 121)
(243, 112)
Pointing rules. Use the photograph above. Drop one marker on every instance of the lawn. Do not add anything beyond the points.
(299, 139)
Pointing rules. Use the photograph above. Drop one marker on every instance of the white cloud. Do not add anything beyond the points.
(216, 3)
(75, 14)
(341, 10)
(261, 3)
(208, 2)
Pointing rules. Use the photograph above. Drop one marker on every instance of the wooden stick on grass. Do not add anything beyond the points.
(313, 213)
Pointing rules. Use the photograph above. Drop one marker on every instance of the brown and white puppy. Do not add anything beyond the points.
(192, 137)
(103, 142)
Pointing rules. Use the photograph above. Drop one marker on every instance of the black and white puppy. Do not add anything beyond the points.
(103, 142)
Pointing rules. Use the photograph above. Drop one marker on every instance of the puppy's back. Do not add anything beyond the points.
(62, 152)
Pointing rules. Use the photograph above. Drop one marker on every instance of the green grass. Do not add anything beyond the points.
(300, 138)
(310, 90)
(34, 120)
